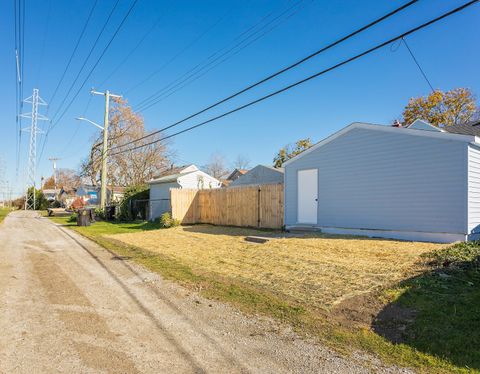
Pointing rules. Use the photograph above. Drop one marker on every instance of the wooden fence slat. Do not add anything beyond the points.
(250, 206)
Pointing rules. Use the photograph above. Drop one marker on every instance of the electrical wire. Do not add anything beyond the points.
(91, 70)
(86, 59)
(134, 49)
(418, 64)
(336, 66)
(97, 62)
(310, 56)
(210, 60)
(199, 74)
(82, 33)
(178, 54)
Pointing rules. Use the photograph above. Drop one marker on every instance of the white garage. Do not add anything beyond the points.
(415, 183)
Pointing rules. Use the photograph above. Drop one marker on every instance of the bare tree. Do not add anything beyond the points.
(241, 162)
(132, 167)
(65, 177)
(216, 166)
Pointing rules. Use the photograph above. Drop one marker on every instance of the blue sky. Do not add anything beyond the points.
(372, 89)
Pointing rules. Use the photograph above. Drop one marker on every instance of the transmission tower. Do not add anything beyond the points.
(35, 100)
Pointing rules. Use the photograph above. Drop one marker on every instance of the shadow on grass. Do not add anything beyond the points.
(273, 233)
(438, 313)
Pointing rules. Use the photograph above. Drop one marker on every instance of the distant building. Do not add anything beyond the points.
(260, 174)
(234, 175)
(179, 177)
(50, 194)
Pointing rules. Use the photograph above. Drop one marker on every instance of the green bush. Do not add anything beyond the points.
(100, 213)
(73, 218)
(466, 254)
(166, 221)
(128, 212)
(41, 202)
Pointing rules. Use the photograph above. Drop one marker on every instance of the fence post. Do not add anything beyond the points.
(258, 207)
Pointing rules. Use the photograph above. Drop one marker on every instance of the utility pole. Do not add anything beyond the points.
(35, 100)
(103, 190)
(54, 162)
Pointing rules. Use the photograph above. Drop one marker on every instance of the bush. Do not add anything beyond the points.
(167, 221)
(100, 213)
(127, 211)
(461, 254)
(55, 204)
(73, 218)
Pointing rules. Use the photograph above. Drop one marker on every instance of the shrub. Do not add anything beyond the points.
(461, 254)
(167, 221)
(55, 204)
(100, 213)
(73, 217)
(128, 211)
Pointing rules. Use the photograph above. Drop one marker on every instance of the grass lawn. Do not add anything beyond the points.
(315, 270)
(352, 293)
(3, 213)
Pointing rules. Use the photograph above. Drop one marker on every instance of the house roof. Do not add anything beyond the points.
(399, 130)
(236, 171)
(117, 189)
(469, 128)
(169, 178)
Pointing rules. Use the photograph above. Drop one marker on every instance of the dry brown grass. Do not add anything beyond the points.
(318, 270)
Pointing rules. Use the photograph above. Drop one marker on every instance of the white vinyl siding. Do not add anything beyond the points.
(192, 180)
(382, 180)
(474, 190)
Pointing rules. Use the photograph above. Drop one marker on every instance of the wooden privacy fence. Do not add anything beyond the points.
(249, 206)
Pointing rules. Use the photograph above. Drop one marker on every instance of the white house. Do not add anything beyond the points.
(415, 183)
(180, 177)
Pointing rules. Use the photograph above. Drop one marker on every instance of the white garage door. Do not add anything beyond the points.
(307, 196)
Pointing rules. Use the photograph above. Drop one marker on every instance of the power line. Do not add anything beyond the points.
(178, 54)
(86, 59)
(134, 49)
(323, 49)
(84, 28)
(197, 75)
(418, 64)
(97, 62)
(208, 61)
(91, 70)
(62, 77)
(44, 40)
(377, 47)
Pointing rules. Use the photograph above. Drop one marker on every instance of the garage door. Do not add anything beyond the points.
(307, 196)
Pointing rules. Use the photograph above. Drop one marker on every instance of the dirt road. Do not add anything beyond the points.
(69, 306)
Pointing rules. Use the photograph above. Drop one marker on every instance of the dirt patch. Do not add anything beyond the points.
(59, 289)
(106, 359)
(393, 321)
(85, 323)
(368, 311)
(357, 311)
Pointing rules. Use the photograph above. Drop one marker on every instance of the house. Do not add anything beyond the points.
(50, 193)
(260, 174)
(67, 195)
(415, 183)
(234, 175)
(180, 177)
(115, 194)
(89, 194)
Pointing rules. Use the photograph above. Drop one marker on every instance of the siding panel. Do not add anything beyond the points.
(378, 180)
(474, 191)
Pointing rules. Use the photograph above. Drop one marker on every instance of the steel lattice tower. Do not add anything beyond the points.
(35, 100)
